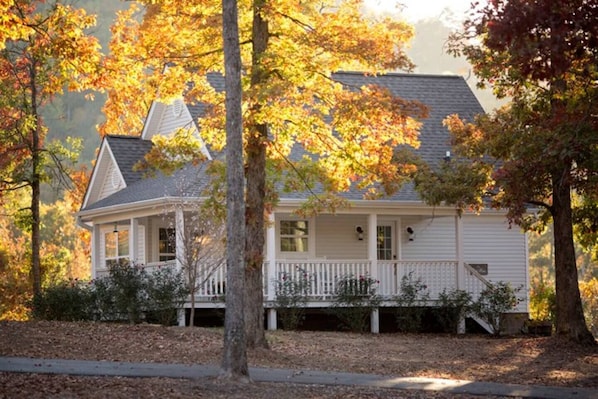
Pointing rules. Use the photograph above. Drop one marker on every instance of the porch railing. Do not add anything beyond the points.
(322, 277)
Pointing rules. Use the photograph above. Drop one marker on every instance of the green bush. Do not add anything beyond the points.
(66, 301)
(291, 298)
(452, 308)
(166, 291)
(129, 290)
(411, 301)
(102, 307)
(494, 301)
(354, 300)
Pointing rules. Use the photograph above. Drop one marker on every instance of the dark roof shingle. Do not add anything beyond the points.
(442, 94)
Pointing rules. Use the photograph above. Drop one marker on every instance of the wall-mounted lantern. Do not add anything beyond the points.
(359, 232)
(411, 233)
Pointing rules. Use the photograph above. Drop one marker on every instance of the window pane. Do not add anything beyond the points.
(167, 244)
(293, 244)
(294, 227)
(110, 246)
(384, 242)
(123, 243)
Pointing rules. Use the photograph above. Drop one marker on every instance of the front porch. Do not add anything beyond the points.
(323, 276)
(440, 250)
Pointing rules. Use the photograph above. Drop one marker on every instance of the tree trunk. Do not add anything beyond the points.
(256, 184)
(35, 191)
(570, 322)
(234, 355)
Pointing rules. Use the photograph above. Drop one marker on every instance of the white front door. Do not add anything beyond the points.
(385, 241)
(386, 248)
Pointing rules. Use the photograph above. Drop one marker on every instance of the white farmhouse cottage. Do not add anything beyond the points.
(132, 217)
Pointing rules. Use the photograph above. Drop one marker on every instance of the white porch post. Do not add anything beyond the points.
(373, 258)
(134, 240)
(95, 249)
(271, 269)
(460, 266)
(179, 229)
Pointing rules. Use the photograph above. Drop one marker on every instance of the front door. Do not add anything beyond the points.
(385, 246)
(386, 254)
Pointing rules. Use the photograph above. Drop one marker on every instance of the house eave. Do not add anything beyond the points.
(138, 208)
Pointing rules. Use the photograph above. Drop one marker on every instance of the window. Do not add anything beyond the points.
(167, 244)
(294, 235)
(384, 242)
(117, 247)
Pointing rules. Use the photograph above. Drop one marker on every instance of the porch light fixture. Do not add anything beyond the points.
(115, 228)
(447, 156)
(359, 231)
(411, 233)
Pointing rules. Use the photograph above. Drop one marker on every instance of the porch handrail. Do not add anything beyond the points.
(322, 275)
(475, 283)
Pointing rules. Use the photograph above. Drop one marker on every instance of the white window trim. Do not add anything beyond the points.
(155, 236)
(160, 254)
(311, 238)
(106, 231)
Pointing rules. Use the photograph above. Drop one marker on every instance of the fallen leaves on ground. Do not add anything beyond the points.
(519, 360)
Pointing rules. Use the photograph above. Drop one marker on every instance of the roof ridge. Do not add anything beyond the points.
(124, 136)
(403, 74)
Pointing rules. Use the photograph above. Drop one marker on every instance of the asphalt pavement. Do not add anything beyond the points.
(259, 374)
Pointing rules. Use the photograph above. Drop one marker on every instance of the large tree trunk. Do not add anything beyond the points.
(570, 322)
(234, 355)
(256, 188)
(36, 149)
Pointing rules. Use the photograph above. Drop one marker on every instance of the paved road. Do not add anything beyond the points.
(125, 369)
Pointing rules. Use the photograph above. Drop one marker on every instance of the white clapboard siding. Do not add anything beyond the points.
(170, 120)
(141, 259)
(336, 237)
(108, 186)
(489, 240)
(434, 238)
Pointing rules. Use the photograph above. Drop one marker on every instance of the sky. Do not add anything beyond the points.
(414, 10)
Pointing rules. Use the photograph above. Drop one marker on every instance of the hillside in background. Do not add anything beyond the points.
(73, 115)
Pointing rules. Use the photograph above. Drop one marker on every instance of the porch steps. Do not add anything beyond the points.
(482, 323)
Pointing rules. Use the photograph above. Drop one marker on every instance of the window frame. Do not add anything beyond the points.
(120, 243)
(308, 237)
(168, 256)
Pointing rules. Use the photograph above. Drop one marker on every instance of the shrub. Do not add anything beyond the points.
(589, 297)
(494, 301)
(166, 291)
(354, 300)
(129, 290)
(65, 301)
(291, 298)
(411, 303)
(453, 306)
(102, 306)
(127, 293)
(542, 303)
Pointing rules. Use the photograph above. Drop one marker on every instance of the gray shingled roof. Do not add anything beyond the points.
(127, 151)
(442, 94)
(186, 182)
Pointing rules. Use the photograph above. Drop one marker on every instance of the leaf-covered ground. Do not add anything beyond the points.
(521, 360)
